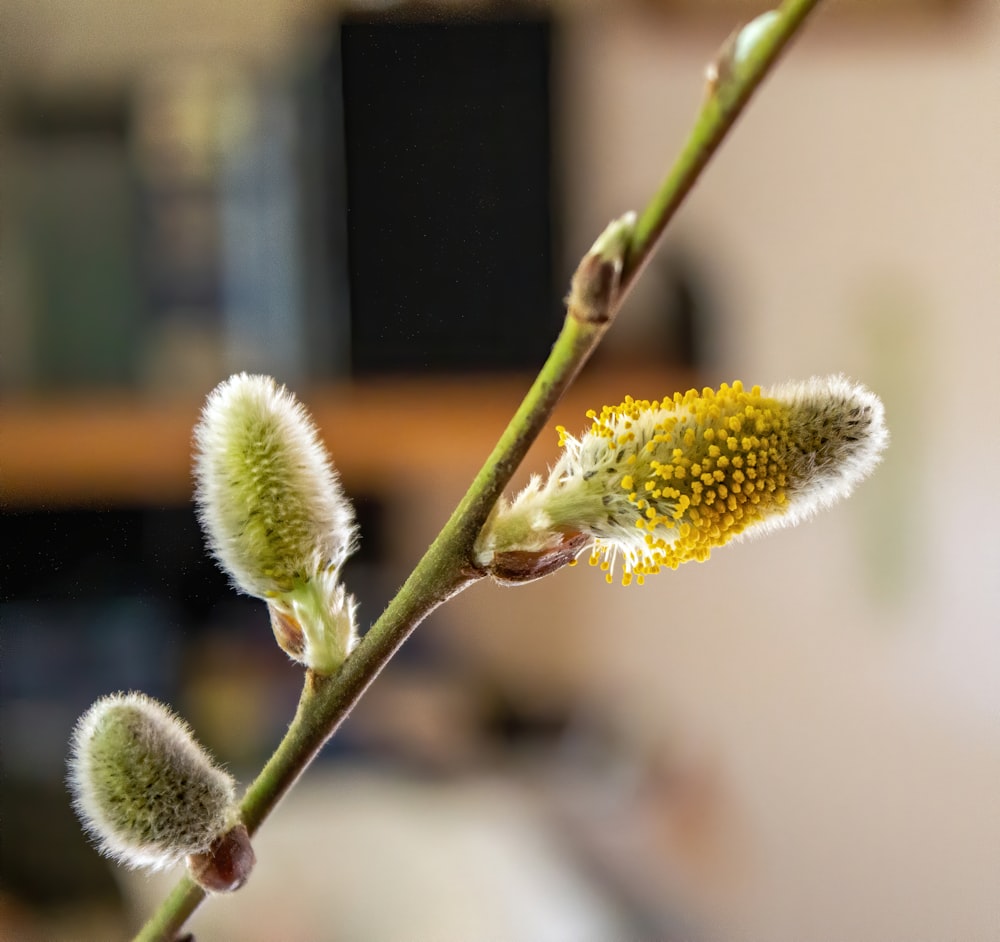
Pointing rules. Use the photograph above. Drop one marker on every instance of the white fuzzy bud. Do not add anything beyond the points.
(275, 514)
(143, 788)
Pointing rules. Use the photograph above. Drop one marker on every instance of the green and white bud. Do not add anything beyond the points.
(275, 515)
(147, 793)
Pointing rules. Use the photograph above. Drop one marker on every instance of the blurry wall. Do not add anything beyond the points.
(844, 674)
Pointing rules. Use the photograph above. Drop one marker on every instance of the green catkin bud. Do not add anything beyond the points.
(275, 515)
(147, 792)
(656, 484)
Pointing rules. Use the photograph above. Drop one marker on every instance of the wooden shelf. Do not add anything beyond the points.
(384, 436)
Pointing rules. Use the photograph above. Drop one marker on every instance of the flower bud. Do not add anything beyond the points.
(661, 483)
(143, 788)
(275, 515)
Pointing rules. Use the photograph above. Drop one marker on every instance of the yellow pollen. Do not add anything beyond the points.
(725, 454)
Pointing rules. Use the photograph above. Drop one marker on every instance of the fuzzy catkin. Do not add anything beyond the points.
(654, 484)
(143, 788)
(268, 497)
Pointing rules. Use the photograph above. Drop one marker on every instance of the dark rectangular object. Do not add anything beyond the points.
(449, 197)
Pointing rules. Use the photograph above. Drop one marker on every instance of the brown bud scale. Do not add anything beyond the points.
(226, 865)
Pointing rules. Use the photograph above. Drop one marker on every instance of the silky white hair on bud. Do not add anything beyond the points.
(275, 515)
(839, 428)
(269, 498)
(143, 788)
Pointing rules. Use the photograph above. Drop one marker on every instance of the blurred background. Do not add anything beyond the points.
(381, 206)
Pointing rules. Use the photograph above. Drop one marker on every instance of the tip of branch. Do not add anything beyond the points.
(736, 50)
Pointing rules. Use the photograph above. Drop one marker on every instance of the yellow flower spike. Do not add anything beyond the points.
(738, 460)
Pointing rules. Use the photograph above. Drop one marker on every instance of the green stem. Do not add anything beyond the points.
(446, 567)
(735, 85)
(173, 912)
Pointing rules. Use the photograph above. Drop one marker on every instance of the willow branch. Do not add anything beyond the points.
(599, 288)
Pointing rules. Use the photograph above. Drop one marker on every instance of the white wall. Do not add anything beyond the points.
(846, 673)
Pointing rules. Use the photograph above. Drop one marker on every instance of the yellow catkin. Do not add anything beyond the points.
(656, 483)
